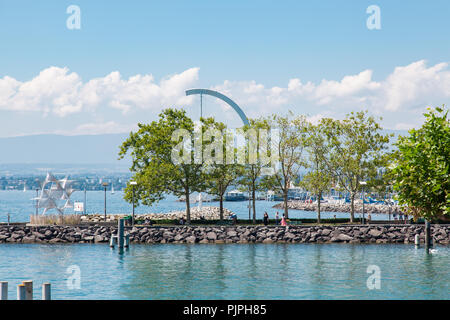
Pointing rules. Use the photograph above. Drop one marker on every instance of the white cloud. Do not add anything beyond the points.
(100, 128)
(402, 96)
(56, 90)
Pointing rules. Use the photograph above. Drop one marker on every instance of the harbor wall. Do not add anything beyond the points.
(226, 234)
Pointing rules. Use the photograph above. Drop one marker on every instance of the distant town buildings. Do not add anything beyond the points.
(90, 182)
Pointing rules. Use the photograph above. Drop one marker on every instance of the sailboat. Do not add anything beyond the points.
(112, 188)
(24, 187)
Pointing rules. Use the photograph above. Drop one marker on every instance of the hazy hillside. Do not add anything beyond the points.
(57, 149)
(88, 153)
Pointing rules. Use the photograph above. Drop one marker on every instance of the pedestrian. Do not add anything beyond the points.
(277, 218)
(369, 217)
(266, 218)
(234, 218)
(283, 221)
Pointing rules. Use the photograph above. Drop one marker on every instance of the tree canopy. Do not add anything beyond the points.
(421, 170)
(152, 148)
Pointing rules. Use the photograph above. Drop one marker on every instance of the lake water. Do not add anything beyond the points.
(253, 271)
(20, 206)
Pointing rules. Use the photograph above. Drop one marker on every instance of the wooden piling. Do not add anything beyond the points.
(428, 243)
(127, 241)
(28, 289)
(46, 291)
(120, 234)
(3, 290)
(21, 292)
(417, 240)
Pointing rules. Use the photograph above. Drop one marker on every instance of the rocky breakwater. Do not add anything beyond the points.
(207, 213)
(222, 234)
(340, 207)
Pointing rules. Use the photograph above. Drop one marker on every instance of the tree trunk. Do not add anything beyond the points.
(285, 199)
(352, 211)
(188, 208)
(254, 205)
(319, 195)
(221, 207)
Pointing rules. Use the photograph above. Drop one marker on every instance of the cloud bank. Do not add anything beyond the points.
(60, 92)
(400, 98)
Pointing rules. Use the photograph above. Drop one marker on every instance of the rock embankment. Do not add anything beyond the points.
(207, 213)
(226, 234)
(338, 207)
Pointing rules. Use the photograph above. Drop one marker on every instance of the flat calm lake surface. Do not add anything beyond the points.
(20, 206)
(228, 271)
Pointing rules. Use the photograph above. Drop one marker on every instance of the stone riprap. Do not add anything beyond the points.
(340, 207)
(207, 213)
(226, 234)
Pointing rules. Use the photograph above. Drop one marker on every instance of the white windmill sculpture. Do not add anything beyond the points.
(60, 190)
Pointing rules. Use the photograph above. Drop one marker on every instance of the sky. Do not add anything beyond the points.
(131, 59)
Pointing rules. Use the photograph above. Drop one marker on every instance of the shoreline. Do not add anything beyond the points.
(345, 207)
(226, 234)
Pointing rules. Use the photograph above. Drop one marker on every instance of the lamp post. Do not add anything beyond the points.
(85, 198)
(105, 184)
(37, 200)
(133, 183)
(363, 183)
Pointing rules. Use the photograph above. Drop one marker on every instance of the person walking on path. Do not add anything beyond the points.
(277, 218)
(234, 219)
(266, 218)
(283, 221)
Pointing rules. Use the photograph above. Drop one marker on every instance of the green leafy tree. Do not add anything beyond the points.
(290, 146)
(421, 171)
(318, 179)
(251, 178)
(220, 174)
(357, 150)
(152, 149)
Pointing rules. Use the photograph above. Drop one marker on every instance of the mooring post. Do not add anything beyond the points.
(120, 233)
(21, 292)
(28, 289)
(46, 291)
(127, 241)
(3, 290)
(428, 243)
(417, 240)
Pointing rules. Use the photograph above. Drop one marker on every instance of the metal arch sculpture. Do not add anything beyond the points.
(222, 97)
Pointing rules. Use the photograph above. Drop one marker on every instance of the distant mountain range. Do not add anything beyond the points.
(90, 153)
(87, 153)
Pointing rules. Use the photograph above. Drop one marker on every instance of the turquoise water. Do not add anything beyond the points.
(254, 271)
(20, 206)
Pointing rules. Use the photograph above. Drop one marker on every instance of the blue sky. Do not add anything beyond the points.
(312, 57)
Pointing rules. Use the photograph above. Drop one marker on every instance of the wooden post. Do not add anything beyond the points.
(120, 233)
(3, 290)
(46, 291)
(111, 242)
(417, 240)
(127, 241)
(428, 243)
(28, 289)
(21, 292)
